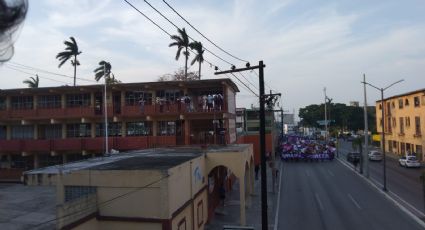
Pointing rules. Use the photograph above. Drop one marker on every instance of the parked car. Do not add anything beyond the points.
(409, 162)
(375, 155)
(353, 157)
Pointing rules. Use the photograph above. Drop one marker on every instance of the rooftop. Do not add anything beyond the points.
(404, 94)
(147, 159)
(26, 207)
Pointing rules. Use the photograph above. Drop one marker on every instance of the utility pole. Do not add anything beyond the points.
(326, 118)
(260, 67)
(366, 132)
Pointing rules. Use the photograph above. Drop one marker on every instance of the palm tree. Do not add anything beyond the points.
(104, 70)
(71, 50)
(181, 41)
(32, 82)
(197, 46)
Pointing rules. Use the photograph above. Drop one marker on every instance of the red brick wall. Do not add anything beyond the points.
(255, 141)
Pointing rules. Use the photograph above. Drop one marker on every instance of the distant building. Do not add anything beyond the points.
(52, 125)
(240, 120)
(354, 103)
(155, 189)
(404, 123)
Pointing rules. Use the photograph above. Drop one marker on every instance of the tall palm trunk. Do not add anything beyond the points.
(185, 69)
(199, 70)
(75, 68)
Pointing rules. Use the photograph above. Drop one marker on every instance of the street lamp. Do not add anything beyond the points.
(383, 126)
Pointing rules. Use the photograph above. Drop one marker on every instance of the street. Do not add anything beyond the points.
(328, 195)
(402, 183)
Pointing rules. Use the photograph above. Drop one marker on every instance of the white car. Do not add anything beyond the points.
(409, 161)
(375, 155)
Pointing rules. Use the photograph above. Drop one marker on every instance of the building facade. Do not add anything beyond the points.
(404, 123)
(47, 126)
(163, 189)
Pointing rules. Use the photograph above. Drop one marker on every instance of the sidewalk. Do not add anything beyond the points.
(229, 214)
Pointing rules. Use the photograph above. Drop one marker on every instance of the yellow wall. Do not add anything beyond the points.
(94, 224)
(407, 113)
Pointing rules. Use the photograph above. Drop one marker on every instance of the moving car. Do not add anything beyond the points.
(353, 157)
(409, 161)
(375, 155)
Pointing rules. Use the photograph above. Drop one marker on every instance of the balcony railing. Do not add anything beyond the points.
(125, 111)
(88, 144)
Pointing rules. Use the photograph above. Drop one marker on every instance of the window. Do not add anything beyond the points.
(133, 97)
(252, 115)
(417, 125)
(200, 213)
(3, 132)
(77, 100)
(182, 224)
(75, 192)
(49, 101)
(401, 125)
(416, 101)
(22, 132)
(407, 122)
(400, 103)
(392, 105)
(380, 106)
(78, 130)
(406, 102)
(47, 132)
(166, 128)
(114, 129)
(394, 122)
(2, 103)
(423, 100)
(22, 102)
(140, 128)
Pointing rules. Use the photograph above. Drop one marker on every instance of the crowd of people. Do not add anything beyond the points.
(296, 148)
(205, 103)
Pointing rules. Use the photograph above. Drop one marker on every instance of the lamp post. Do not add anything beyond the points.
(106, 112)
(366, 131)
(383, 126)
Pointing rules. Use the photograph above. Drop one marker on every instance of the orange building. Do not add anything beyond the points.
(45, 126)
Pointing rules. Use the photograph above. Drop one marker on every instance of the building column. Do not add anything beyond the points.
(123, 129)
(64, 158)
(63, 131)
(242, 200)
(8, 132)
(154, 128)
(187, 132)
(93, 129)
(9, 161)
(36, 161)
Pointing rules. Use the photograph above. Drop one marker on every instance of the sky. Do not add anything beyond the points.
(306, 45)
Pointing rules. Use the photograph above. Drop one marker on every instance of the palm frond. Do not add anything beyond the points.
(178, 52)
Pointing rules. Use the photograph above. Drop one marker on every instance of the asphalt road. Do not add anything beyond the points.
(402, 183)
(328, 195)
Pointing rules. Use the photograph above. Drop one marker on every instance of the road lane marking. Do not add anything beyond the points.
(401, 199)
(396, 203)
(354, 201)
(319, 202)
(330, 173)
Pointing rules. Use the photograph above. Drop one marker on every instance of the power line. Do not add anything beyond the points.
(172, 23)
(103, 203)
(22, 66)
(32, 74)
(248, 81)
(203, 34)
(264, 82)
(188, 36)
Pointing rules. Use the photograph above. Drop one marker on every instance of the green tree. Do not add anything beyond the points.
(104, 70)
(32, 82)
(71, 51)
(179, 75)
(197, 46)
(182, 42)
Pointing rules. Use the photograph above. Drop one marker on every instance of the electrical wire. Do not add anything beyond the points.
(172, 23)
(202, 34)
(248, 81)
(265, 83)
(103, 203)
(162, 29)
(22, 66)
(32, 74)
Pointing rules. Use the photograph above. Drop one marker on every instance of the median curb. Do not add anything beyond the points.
(396, 203)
